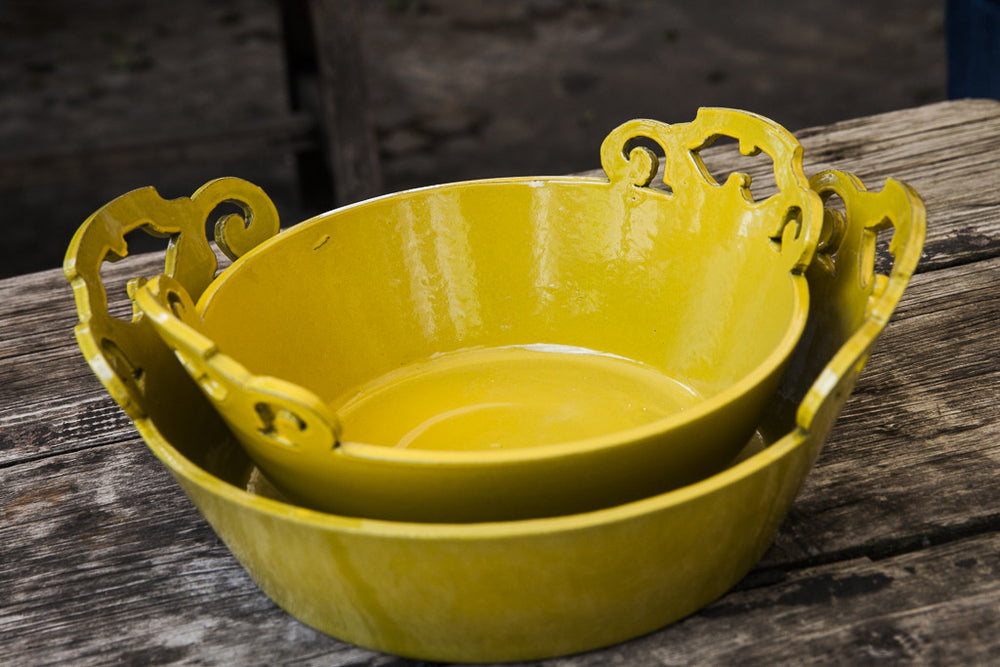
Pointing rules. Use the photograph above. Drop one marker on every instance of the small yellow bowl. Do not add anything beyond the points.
(513, 348)
(500, 591)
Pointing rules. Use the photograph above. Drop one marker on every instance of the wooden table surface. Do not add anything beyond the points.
(890, 553)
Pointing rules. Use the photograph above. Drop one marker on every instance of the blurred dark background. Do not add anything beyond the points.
(100, 97)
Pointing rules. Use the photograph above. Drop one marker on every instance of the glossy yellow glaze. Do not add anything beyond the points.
(509, 397)
(521, 589)
(693, 281)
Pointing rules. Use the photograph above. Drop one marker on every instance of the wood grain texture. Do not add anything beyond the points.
(45, 164)
(949, 152)
(105, 560)
(916, 447)
(50, 401)
(889, 552)
(907, 609)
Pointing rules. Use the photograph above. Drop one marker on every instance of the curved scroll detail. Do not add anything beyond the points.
(274, 418)
(792, 218)
(189, 259)
(237, 235)
(846, 275)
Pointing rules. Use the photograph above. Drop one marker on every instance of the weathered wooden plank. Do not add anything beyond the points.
(67, 423)
(936, 606)
(917, 450)
(46, 164)
(50, 401)
(38, 310)
(949, 152)
(39, 313)
(348, 125)
(106, 560)
(844, 507)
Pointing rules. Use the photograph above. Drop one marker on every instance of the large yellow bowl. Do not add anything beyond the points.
(507, 590)
(514, 348)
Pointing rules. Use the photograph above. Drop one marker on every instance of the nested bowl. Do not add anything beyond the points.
(514, 348)
(512, 590)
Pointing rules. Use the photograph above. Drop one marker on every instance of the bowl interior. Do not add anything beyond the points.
(676, 301)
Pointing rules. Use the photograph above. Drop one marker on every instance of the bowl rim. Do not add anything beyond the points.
(483, 530)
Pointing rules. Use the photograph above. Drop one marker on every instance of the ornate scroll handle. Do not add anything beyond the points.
(687, 177)
(114, 348)
(273, 418)
(846, 255)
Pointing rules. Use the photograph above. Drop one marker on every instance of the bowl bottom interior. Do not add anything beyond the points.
(508, 397)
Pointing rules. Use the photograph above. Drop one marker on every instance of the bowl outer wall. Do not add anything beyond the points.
(513, 590)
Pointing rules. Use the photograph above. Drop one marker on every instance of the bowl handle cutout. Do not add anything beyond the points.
(123, 353)
(845, 272)
(779, 217)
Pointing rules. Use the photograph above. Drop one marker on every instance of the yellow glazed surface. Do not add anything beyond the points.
(509, 397)
(510, 590)
(341, 352)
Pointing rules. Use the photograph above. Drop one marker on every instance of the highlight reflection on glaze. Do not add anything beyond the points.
(509, 397)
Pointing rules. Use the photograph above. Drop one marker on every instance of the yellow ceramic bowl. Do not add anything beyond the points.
(508, 590)
(512, 348)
